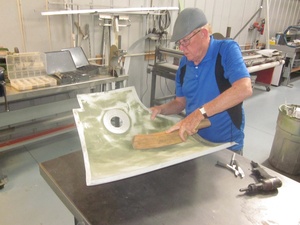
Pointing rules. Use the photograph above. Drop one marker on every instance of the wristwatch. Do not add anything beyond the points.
(203, 112)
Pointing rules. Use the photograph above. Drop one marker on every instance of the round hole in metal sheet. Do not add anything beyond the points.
(116, 121)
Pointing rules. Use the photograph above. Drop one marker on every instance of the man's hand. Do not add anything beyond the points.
(188, 126)
(173, 107)
(154, 111)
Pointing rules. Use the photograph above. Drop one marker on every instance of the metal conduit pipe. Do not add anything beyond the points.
(170, 52)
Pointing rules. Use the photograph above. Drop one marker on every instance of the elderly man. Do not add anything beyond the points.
(212, 82)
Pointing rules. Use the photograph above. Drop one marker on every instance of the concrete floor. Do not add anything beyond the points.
(27, 198)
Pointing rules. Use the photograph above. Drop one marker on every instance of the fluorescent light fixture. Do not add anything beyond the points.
(112, 10)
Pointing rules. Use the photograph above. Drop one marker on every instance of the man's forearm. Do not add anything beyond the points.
(173, 107)
(231, 97)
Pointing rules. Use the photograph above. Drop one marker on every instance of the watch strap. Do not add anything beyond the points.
(203, 112)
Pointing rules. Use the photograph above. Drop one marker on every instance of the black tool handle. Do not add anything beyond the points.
(259, 172)
(267, 185)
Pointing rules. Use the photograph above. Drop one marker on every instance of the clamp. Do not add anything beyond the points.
(233, 166)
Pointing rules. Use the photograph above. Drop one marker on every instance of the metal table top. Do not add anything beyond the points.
(193, 192)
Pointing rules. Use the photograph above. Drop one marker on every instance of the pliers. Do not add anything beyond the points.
(233, 166)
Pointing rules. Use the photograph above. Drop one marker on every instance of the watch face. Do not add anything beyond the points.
(202, 110)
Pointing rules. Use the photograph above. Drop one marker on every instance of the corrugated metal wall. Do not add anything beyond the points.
(284, 13)
(30, 31)
(23, 26)
(236, 13)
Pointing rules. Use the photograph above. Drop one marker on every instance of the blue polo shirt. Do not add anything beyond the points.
(200, 86)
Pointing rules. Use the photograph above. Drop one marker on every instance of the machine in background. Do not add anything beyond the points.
(289, 43)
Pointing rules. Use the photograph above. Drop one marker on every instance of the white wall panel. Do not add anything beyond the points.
(199, 4)
(274, 12)
(37, 36)
(10, 25)
(220, 13)
(236, 16)
(284, 13)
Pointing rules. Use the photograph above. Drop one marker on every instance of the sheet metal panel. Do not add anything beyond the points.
(107, 145)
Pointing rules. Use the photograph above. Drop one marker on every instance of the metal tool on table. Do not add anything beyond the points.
(266, 183)
(233, 166)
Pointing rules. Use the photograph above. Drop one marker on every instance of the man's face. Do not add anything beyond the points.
(192, 45)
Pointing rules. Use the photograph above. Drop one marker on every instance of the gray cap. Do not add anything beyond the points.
(188, 20)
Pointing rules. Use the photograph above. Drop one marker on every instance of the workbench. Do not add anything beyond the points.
(193, 192)
(44, 112)
(292, 60)
(266, 71)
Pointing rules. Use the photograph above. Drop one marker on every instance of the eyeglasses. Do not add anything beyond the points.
(186, 42)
